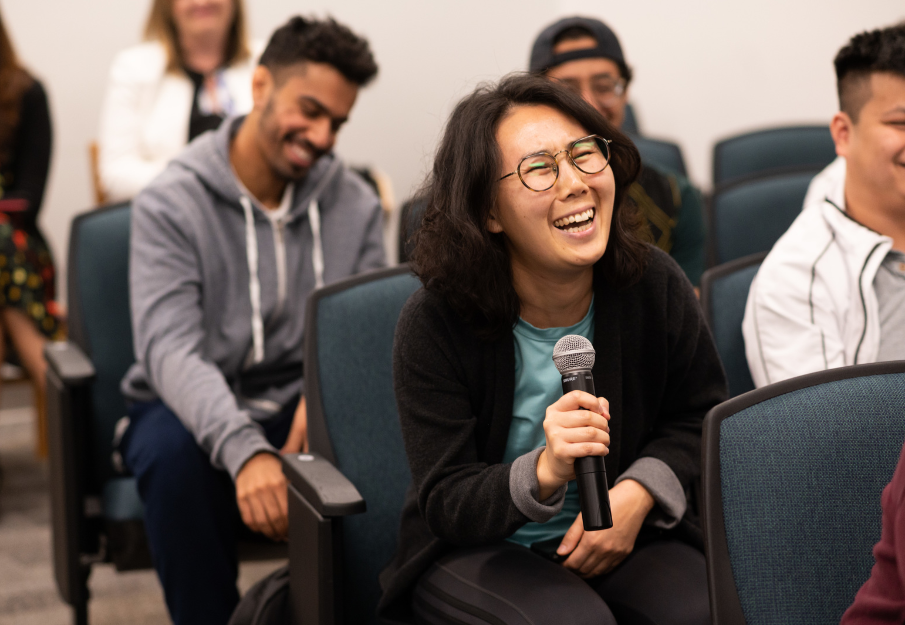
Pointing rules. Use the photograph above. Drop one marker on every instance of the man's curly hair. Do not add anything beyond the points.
(881, 50)
(320, 41)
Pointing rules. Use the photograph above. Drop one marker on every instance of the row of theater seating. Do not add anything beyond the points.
(742, 156)
(96, 512)
(788, 528)
(760, 180)
(759, 183)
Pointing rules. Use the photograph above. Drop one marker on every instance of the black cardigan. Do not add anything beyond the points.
(26, 175)
(656, 364)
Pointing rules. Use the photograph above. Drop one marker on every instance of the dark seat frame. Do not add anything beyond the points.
(320, 496)
(78, 533)
(81, 537)
(725, 606)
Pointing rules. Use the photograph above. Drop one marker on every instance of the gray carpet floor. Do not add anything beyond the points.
(28, 594)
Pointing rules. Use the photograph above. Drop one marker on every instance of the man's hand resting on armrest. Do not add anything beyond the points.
(261, 485)
(261, 494)
(298, 433)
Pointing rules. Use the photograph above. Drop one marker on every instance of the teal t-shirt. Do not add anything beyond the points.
(538, 384)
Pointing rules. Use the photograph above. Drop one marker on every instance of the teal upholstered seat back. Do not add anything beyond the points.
(100, 323)
(801, 479)
(663, 155)
(354, 346)
(630, 121)
(724, 296)
(769, 151)
(749, 218)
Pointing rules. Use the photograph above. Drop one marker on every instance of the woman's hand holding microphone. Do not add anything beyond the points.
(575, 426)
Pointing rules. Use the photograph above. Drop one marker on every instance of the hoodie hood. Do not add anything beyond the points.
(219, 286)
(208, 158)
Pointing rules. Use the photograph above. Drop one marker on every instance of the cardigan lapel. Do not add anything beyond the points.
(500, 364)
(607, 369)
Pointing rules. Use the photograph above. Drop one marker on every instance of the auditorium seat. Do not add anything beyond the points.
(630, 121)
(664, 155)
(749, 216)
(96, 513)
(793, 474)
(724, 292)
(347, 493)
(771, 151)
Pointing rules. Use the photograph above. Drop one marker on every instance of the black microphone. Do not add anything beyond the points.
(574, 358)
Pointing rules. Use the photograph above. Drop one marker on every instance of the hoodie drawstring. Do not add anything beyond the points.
(254, 282)
(251, 251)
(314, 220)
(317, 248)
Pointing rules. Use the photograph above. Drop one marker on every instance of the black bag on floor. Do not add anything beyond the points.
(266, 603)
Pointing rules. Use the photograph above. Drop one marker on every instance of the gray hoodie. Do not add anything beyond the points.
(218, 291)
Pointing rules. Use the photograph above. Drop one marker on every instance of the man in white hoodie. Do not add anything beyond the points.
(832, 290)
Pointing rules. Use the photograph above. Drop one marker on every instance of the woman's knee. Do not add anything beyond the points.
(663, 583)
(505, 583)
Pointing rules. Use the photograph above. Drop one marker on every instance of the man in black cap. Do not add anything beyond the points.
(585, 55)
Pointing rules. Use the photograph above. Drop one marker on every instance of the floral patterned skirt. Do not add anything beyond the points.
(27, 277)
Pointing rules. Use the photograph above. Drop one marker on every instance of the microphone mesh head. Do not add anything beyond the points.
(573, 352)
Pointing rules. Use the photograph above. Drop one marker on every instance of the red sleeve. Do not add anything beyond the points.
(882, 598)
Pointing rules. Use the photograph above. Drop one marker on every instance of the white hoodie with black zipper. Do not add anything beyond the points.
(812, 305)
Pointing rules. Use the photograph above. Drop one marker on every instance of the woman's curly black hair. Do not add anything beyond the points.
(454, 253)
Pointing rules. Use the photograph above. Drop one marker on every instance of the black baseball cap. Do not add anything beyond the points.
(542, 57)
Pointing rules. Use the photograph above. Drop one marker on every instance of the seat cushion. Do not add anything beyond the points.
(801, 479)
(121, 501)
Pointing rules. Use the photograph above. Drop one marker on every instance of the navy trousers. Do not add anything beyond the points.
(191, 515)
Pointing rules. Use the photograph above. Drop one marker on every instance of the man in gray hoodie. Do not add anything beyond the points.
(226, 245)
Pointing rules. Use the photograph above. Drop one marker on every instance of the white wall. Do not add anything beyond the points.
(704, 69)
(707, 69)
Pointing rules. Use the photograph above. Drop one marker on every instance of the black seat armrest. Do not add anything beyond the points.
(322, 485)
(69, 363)
(69, 375)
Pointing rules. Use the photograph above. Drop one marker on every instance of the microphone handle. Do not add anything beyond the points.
(590, 472)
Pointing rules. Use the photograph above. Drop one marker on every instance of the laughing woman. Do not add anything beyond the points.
(526, 239)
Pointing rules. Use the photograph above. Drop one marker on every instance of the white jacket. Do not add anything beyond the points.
(145, 116)
(812, 305)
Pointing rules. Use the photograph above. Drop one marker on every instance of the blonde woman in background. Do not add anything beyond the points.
(193, 70)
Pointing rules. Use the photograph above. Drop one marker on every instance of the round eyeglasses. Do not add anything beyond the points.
(539, 172)
(607, 90)
(604, 88)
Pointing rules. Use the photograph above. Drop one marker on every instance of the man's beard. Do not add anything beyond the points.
(270, 132)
